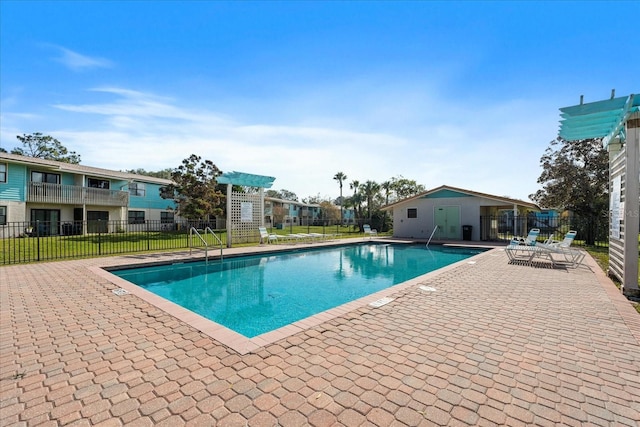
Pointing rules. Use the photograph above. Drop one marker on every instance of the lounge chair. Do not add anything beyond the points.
(563, 247)
(265, 236)
(371, 232)
(530, 240)
(565, 243)
(547, 250)
(520, 248)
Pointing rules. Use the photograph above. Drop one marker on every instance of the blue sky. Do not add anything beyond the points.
(446, 93)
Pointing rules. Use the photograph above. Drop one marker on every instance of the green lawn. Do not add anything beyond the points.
(49, 248)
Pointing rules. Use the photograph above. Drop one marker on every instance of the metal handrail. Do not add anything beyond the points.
(216, 237)
(430, 237)
(195, 231)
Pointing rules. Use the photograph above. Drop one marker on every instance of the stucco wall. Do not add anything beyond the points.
(422, 226)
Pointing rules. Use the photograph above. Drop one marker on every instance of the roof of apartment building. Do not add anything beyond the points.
(80, 169)
(292, 202)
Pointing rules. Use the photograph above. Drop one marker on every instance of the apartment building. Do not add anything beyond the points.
(63, 198)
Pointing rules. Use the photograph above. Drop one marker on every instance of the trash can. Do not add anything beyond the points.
(67, 229)
(466, 232)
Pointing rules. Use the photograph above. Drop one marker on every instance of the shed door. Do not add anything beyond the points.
(448, 222)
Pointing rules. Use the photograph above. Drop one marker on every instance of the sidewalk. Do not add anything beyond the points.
(494, 344)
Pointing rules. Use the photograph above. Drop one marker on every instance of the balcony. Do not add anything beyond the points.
(41, 192)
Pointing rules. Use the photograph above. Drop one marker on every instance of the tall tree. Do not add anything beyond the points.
(575, 177)
(356, 199)
(282, 194)
(164, 173)
(371, 190)
(404, 187)
(340, 177)
(387, 188)
(194, 189)
(45, 147)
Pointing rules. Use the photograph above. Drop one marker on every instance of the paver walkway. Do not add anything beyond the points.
(495, 344)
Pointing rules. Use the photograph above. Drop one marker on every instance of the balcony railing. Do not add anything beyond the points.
(58, 194)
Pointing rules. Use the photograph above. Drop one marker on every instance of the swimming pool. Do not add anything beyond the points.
(253, 295)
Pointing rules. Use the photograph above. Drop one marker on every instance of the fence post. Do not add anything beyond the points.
(99, 238)
(38, 239)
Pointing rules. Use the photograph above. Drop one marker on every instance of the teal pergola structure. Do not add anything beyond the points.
(245, 210)
(617, 122)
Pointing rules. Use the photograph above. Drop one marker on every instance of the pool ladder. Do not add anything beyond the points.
(207, 230)
(430, 237)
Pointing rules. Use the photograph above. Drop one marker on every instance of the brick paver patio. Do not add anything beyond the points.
(494, 344)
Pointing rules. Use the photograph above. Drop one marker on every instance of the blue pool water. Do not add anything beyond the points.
(256, 294)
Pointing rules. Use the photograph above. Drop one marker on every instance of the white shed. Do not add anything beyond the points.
(458, 214)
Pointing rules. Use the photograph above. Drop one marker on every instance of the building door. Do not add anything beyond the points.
(448, 222)
(97, 221)
(45, 222)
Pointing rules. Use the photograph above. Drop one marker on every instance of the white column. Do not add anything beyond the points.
(229, 195)
(632, 206)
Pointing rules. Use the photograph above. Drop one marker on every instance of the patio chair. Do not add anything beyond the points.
(371, 232)
(521, 248)
(265, 236)
(530, 240)
(565, 243)
(563, 247)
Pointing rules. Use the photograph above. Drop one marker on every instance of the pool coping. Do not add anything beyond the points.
(244, 345)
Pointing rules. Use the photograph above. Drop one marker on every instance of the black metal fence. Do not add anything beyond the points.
(22, 242)
(590, 231)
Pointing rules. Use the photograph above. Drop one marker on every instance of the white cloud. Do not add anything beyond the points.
(78, 62)
(493, 149)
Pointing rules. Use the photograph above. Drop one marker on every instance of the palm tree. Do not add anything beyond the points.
(355, 199)
(387, 186)
(340, 177)
(370, 189)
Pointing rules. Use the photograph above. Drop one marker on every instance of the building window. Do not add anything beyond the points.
(137, 189)
(49, 178)
(3, 215)
(136, 217)
(98, 183)
(3, 172)
(412, 213)
(166, 217)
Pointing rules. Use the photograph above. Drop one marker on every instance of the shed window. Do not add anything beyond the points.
(3, 172)
(3, 215)
(412, 213)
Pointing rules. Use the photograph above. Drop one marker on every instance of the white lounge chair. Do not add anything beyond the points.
(368, 231)
(520, 248)
(266, 237)
(530, 240)
(565, 243)
(547, 250)
(563, 247)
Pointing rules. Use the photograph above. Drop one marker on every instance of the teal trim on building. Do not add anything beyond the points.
(77, 186)
(15, 187)
(151, 199)
(446, 194)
